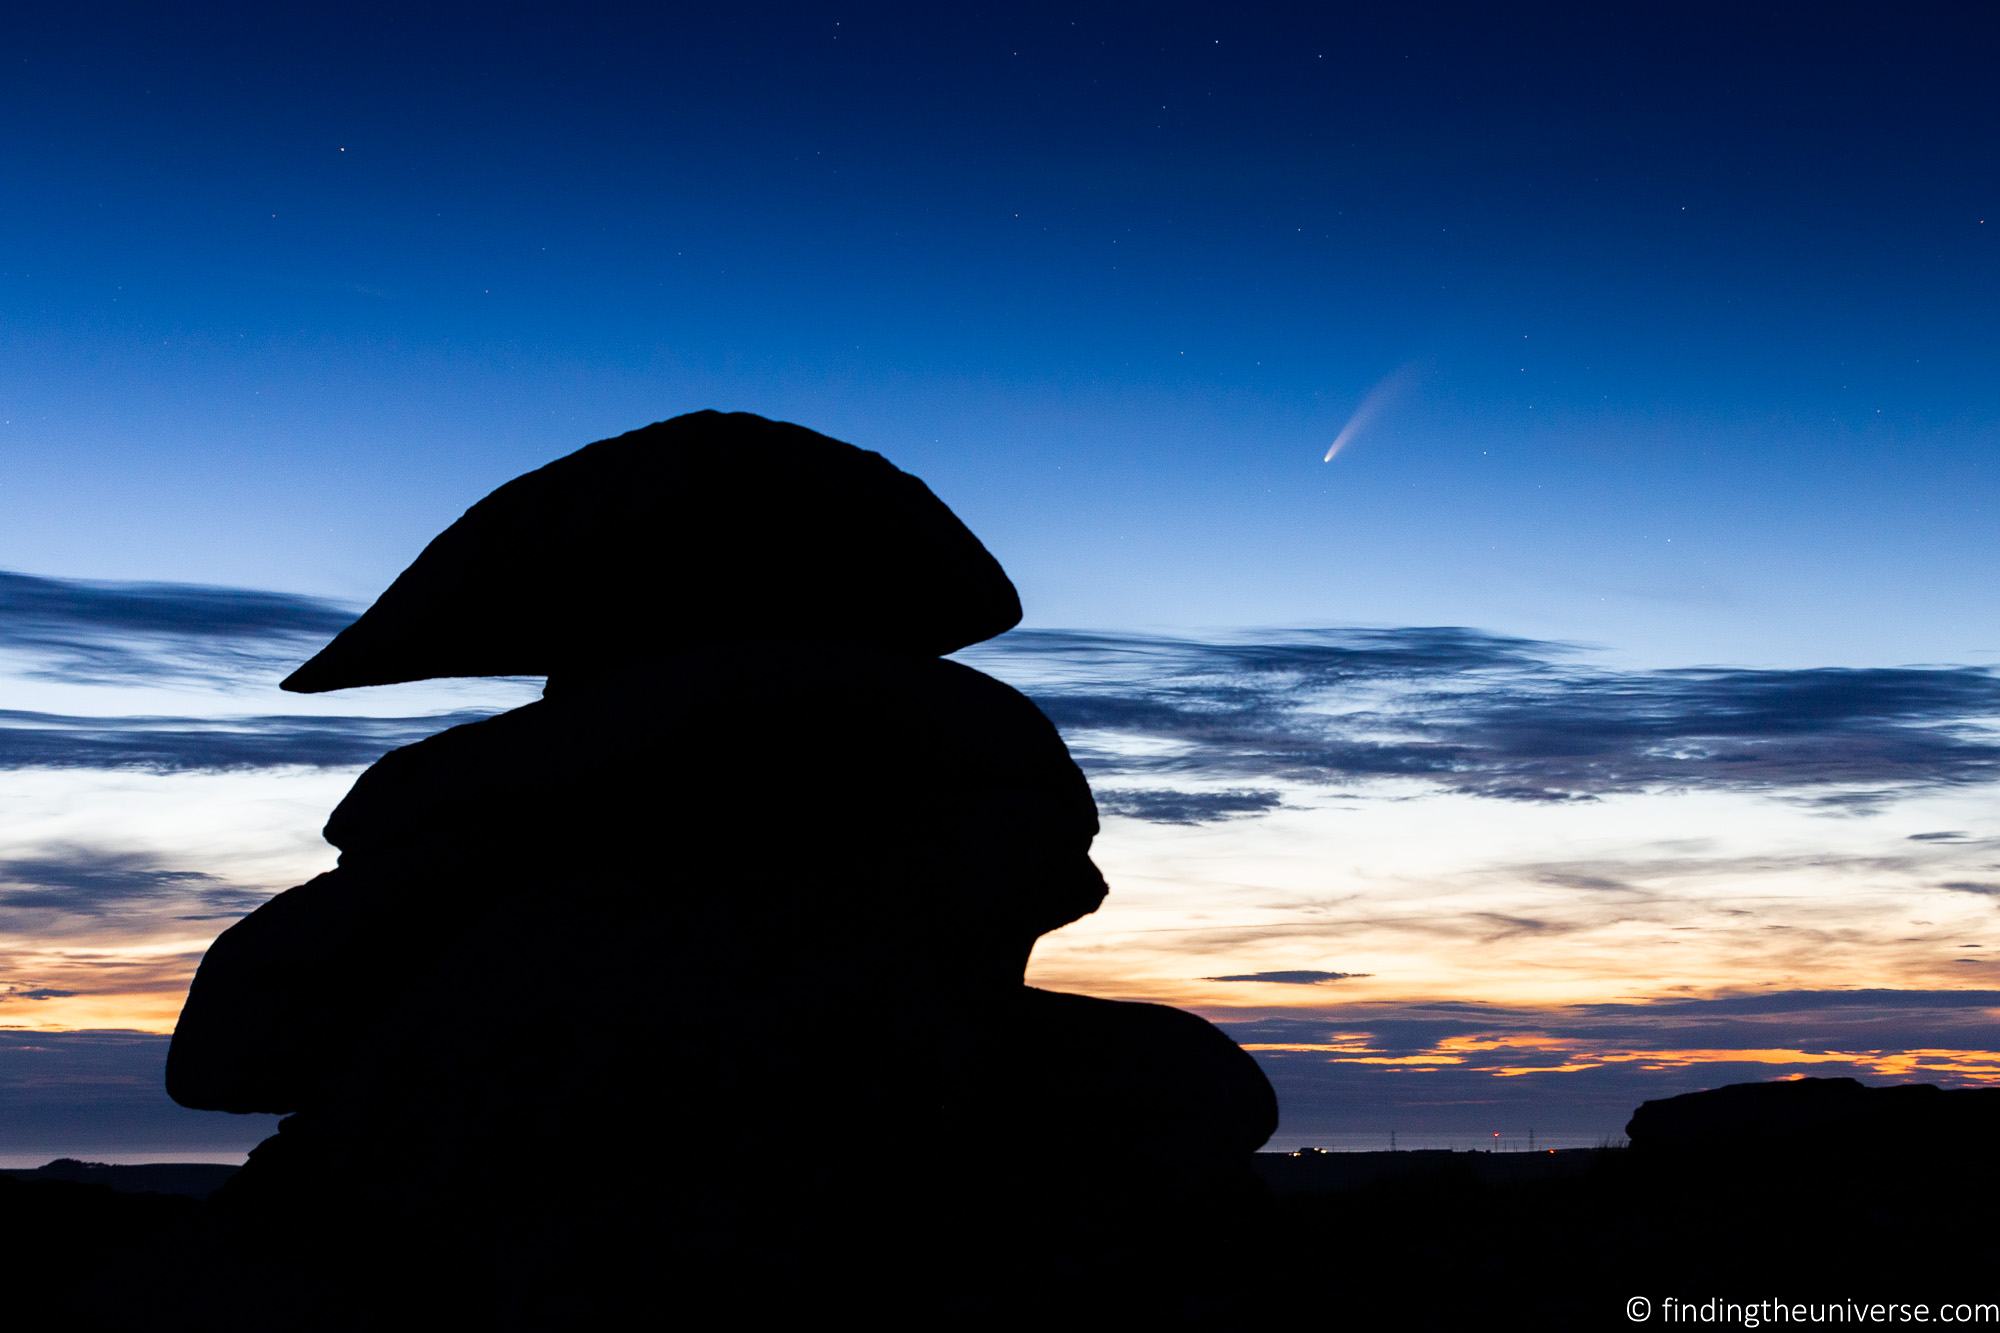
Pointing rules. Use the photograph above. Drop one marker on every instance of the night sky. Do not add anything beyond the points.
(1676, 335)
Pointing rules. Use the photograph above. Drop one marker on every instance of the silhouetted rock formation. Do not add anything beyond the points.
(707, 528)
(1821, 1116)
(739, 910)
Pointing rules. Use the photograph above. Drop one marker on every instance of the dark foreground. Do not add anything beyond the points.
(1362, 1240)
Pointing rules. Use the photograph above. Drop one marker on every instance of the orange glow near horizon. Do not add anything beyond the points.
(1954, 1065)
(1450, 905)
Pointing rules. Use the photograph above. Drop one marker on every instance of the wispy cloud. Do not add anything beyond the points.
(209, 745)
(1860, 1022)
(1360, 1066)
(89, 632)
(1165, 805)
(1177, 731)
(1499, 717)
(65, 890)
(1302, 977)
(13, 992)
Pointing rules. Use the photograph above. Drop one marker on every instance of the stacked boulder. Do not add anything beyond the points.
(706, 968)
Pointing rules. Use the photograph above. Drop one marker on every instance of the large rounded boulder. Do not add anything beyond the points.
(708, 527)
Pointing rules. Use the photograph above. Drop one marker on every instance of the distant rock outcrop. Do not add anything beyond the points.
(730, 924)
(1820, 1117)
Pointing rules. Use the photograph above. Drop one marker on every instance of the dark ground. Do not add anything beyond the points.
(1367, 1240)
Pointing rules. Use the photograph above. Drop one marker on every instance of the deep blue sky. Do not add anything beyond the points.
(1700, 304)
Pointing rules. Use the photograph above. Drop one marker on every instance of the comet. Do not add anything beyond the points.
(1371, 407)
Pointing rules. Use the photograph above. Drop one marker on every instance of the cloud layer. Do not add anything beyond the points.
(1174, 731)
(63, 888)
(1295, 977)
(1493, 716)
(88, 632)
(1343, 1069)
(209, 745)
